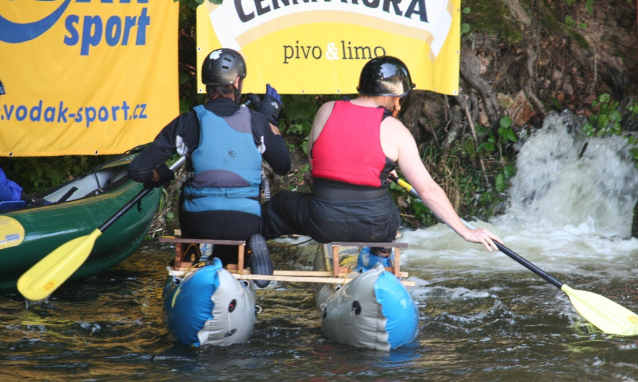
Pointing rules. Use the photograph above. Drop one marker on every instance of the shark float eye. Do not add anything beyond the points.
(232, 306)
(356, 308)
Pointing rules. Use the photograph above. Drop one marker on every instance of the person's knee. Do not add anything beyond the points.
(269, 228)
(281, 204)
(283, 214)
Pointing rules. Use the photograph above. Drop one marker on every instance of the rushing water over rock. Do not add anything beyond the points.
(564, 178)
(571, 207)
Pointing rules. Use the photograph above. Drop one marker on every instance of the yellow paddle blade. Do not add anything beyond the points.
(49, 273)
(11, 232)
(605, 314)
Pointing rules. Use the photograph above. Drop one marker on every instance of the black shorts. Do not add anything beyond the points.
(220, 225)
(375, 220)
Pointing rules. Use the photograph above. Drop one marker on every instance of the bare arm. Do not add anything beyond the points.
(317, 125)
(401, 145)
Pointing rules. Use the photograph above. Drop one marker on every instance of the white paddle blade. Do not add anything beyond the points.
(54, 269)
(11, 232)
(605, 314)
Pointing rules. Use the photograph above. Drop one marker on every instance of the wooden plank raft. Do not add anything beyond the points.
(185, 258)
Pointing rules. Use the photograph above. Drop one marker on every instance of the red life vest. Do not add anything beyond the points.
(348, 148)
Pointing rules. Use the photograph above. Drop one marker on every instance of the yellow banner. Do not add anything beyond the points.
(86, 77)
(320, 46)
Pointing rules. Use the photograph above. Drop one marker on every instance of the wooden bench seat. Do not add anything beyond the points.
(185, 259)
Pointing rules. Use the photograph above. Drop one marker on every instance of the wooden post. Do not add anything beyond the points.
(240, 258)
(397, 261)
(178, 255)
(335, 260)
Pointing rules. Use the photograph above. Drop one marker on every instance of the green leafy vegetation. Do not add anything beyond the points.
(37, 174)
(570, 21)
(504, 136)
(492, 18)
(465, 27)
(464, 182)
(555, 19)
(607, 120)
(295, 119)
(589, 5)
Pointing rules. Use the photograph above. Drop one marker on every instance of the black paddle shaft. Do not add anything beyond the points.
(501, 247)
(124, 209)
(133, 201)
(529, 265)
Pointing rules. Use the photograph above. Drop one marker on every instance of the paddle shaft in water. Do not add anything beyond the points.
(525, 263)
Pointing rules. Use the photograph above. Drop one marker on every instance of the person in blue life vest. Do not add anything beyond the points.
(224, 143)
(353, 146)
(10, 191)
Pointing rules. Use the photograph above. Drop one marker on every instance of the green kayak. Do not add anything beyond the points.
(75, 209)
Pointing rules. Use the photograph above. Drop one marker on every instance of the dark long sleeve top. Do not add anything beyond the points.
(182, 136)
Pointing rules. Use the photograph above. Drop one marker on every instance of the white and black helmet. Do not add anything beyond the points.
(222, 67)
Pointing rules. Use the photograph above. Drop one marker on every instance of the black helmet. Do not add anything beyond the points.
(385, 76)
(222, 67)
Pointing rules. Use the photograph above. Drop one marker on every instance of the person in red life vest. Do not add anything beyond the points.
(224, 144)
(353, 146)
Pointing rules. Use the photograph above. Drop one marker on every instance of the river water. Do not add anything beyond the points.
(483, 316)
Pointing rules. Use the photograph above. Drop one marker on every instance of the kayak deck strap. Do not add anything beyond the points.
(187, 255)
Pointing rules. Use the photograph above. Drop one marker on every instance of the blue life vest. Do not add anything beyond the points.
(9, 190)
(226, 165)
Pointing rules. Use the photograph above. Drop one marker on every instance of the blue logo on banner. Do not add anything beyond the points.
(87, 30)
(15, 33)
